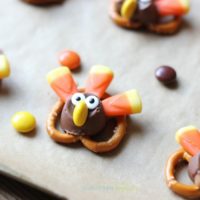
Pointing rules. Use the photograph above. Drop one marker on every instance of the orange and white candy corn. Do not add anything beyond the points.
(123, 104)
(172, 7)
(189, 138)
(62, 82)
(99, 79)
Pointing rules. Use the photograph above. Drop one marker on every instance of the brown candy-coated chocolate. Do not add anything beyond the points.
(95, 122)
(43, 2)
(165, 74)
(194, 169)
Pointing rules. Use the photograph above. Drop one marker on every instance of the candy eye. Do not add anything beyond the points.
(92, 102)
(77, 97)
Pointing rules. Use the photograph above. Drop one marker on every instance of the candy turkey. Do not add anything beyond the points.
(85, 111)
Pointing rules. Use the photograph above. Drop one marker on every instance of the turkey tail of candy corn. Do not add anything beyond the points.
(173, 7)
(123, 104)
(189, 139)
(99, 79)
(62, 82)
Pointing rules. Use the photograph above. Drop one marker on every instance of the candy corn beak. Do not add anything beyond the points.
(128, 8)
(189, 138)
(80, 114)
(4, 67)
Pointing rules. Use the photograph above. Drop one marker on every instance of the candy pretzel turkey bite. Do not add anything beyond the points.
(159, 16)
(84, 112)
(189, 139)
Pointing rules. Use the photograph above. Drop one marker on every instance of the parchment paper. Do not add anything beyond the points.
(31, 37)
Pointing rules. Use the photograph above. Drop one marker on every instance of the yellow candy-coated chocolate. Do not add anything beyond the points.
(4, 67)
(80, 114)
(128, 8)
(23, 122)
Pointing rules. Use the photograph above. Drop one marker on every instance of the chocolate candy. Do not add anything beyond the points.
(94, 119)
(165, 74)
(69, 59)
(147, 12)
(23, 122)
(194, 169)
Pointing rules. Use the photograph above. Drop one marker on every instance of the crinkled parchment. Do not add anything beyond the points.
(31, 37)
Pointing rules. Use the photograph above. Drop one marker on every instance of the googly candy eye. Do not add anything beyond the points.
(92, 102)
(77, 97)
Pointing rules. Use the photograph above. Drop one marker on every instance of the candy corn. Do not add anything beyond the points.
(99, 79)
(123, 104)
(189, 139)
(128, 8)
(61, 81)
(172, 7)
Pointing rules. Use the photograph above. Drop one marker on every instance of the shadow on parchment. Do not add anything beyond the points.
(30, 134)
(47, 5)
(133, 128)
(186, 25)
(172, 86)
(5, 90)
(10, 188)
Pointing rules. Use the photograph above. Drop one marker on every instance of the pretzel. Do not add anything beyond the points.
(188, 191)
(97, 147)
(84, 111)
(188, 138)
(53, 132)
(166, 28)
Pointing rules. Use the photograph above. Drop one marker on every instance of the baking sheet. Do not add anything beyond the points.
(31, 36)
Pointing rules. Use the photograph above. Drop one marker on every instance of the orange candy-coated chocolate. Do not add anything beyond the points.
(189, 139)
(69, 59)
(172, 7)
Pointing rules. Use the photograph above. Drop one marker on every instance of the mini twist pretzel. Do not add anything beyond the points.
(126, 13)
(53, 132)
(84, 111)
(189, 139)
